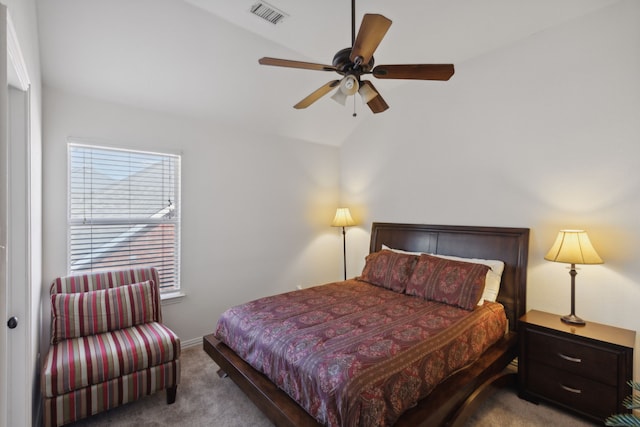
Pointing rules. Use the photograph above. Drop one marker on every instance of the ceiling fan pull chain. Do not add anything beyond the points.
(354, 107)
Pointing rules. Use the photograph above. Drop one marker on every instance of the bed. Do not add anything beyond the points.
(455, 397)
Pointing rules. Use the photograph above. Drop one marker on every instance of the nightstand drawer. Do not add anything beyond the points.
(588, 361)
(574, 391)
(583, 368)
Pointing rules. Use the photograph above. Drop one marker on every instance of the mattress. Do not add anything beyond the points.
(354, 354)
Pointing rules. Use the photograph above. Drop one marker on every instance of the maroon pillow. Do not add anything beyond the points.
(388, 269)
(451, 282)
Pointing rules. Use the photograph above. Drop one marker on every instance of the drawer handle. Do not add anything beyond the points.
(571, 389)
(569, 358)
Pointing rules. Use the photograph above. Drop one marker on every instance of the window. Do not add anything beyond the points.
(124, 211)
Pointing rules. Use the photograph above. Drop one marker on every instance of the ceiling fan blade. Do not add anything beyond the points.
(371, 33)
(414, 71)
(317, 94)
(377, 104)
(295, 64)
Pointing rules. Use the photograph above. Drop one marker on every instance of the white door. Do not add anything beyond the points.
(16, 352)
(20, 354)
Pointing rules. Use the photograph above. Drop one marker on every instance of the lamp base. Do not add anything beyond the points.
(572, 319)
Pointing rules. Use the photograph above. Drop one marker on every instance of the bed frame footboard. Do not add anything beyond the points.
(450, 404)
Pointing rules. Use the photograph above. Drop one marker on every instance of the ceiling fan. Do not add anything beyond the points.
(357, 61)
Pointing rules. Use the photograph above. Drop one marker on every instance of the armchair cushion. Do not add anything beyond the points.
(82, 314)
(80, 362)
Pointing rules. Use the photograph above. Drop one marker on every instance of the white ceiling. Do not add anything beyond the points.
(199, 58)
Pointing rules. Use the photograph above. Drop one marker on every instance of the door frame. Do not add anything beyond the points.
(16, 345)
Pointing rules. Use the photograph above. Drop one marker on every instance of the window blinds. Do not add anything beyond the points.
(124, 211)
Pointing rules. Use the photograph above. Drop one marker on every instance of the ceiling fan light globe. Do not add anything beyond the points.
(349, 85)
(367, 93)
(339, 97)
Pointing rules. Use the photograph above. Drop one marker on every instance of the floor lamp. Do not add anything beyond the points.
(343, 219)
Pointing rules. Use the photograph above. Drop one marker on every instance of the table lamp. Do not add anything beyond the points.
(573, 247)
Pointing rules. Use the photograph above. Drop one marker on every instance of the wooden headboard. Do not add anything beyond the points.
(510, 245)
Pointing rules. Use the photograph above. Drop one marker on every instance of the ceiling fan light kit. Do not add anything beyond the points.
(356, 61)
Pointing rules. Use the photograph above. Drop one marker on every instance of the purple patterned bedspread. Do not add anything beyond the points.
(354, 354)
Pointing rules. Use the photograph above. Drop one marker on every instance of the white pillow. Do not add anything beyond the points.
(491, 281)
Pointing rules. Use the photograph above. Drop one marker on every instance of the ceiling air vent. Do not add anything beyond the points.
(268, 13)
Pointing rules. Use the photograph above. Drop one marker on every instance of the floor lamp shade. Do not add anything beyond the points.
(573, 247)
(343, 219)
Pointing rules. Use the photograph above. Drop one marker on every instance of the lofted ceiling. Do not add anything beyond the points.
(199, 58)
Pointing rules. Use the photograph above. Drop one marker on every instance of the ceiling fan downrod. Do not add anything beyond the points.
(353, 22)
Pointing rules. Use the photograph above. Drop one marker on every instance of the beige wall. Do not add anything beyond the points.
(255, 209)
(543, 134)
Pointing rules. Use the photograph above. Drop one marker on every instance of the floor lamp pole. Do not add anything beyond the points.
(344, 251)
(343, 219)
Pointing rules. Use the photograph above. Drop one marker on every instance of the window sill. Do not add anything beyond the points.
(172, 297)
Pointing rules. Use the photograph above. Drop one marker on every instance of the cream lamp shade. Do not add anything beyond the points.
(367, 93)
(343, 218)
(339, 97)
(573, 247)
(348, 86)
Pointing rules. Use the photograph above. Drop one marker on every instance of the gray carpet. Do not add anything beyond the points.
(204, 399)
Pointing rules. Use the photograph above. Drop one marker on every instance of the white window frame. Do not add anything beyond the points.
(160, 217)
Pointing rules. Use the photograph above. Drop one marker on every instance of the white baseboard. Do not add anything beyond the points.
(191, 343)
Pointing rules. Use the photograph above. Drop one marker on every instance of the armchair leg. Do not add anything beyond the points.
(171, 394)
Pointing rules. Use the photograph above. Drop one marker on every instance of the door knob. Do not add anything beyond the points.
(13, 322)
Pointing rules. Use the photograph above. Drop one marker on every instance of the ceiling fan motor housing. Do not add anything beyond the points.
(344, 65)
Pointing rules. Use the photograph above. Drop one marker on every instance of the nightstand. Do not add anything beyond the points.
(584, 369)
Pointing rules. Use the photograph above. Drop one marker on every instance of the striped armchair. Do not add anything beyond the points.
(108, 344)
